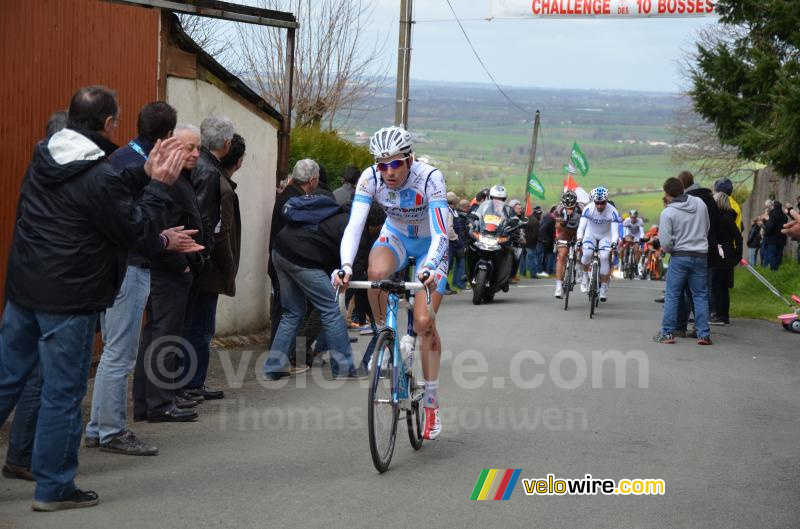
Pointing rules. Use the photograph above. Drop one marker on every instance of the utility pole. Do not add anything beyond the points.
(530, 163)
(403, 64)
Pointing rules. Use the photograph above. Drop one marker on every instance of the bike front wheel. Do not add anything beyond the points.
(382, 411)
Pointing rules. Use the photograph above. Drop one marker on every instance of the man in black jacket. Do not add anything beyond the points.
(547, 236)
(774, 239)
(122, 323)
(304, 256)
(171, 277)
(76, 220)
(216, 135)
(533, 257)
(714, 258)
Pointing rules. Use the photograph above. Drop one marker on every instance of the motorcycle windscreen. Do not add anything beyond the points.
(491, 214)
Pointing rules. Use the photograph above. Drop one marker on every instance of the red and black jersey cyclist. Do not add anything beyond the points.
(568, 217)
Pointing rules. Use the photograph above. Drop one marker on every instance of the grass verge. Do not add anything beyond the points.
(751, 299)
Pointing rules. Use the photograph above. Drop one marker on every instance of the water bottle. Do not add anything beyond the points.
(406, 348)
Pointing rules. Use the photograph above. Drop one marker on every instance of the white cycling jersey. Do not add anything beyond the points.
(634, 230)
(599, 225)
(417, 210)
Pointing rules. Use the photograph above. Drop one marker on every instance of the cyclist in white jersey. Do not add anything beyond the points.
(414, 197)
(633, 228)
(599, 231)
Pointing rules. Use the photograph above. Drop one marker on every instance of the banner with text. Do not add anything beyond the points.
(601, 8)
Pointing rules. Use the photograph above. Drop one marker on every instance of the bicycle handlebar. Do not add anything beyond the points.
(388, 285)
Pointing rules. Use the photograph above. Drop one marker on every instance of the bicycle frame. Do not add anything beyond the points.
(400, 391)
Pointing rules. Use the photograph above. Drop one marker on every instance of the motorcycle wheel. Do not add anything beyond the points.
(479, 288)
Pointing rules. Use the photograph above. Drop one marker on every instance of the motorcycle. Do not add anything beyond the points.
(495, 237)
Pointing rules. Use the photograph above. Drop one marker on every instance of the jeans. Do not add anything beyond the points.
(752, 256)
(548, 258)
(774, 256)
(533, 259)
(198, 330)
(62, 344)
(459, 271)
(23, 428)
(299, 285)
(523, 262)
(122, 328)
(683, 271)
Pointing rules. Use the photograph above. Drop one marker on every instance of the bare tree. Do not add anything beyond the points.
(334, 67)
(208, 33)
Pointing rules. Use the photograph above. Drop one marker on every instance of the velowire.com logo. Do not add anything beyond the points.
(496, 484)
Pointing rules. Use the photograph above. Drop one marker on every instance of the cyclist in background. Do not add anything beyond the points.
(634, 233)
(414, 197)
(598, 231)
(568, 218)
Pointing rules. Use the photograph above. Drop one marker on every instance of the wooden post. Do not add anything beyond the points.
(531, 160)
(284, 136)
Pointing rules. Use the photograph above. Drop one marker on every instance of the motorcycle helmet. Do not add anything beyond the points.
(599, 194)
(498, 192)
(569, 199)
(389, 142)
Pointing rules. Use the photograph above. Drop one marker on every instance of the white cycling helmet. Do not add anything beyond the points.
(634, 213)
(498, 192)
(599, 194)
(389, 142)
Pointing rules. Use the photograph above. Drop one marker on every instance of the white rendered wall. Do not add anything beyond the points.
(194, 100)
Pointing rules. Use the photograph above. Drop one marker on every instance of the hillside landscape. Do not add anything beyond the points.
(478, 138)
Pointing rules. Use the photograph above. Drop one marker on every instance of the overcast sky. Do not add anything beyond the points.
(634, 54)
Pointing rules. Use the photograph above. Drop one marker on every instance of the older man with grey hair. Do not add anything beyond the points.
(216, 134)
(303, 181)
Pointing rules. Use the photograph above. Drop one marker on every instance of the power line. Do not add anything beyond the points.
(485, 69)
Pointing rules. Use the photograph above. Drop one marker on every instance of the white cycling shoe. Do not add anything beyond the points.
(603, 292)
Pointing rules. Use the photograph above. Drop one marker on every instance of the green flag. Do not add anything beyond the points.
(535, 186)
(579, 159)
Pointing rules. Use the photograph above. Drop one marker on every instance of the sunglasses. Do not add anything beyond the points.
(600, 203)
(394, 164)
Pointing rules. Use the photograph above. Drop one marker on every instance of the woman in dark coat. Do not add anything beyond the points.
(731, 243)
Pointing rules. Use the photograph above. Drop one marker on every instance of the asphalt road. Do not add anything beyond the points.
(718, 424)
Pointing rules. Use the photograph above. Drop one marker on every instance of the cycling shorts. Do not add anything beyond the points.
(404, 247)
(564, 235)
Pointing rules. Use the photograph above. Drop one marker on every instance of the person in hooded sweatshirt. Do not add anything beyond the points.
(76, 221)
(683, 231)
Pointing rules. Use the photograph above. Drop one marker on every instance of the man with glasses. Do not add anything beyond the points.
(599, 231)
(414, 196)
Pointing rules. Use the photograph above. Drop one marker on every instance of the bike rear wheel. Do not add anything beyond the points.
(382, 412)
(594, 285)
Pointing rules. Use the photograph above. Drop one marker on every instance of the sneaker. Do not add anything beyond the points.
(449, 292)
(367, 332)
(603, 292)
(297, 370)
(659, 300)
(717, 321)
(664, 338)
(433, 425)
(128, 444)
(91, 442)
(559, 291)
(585, 283)
(76, 500)
(542, 275)
(704, 340)
(358, 374)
